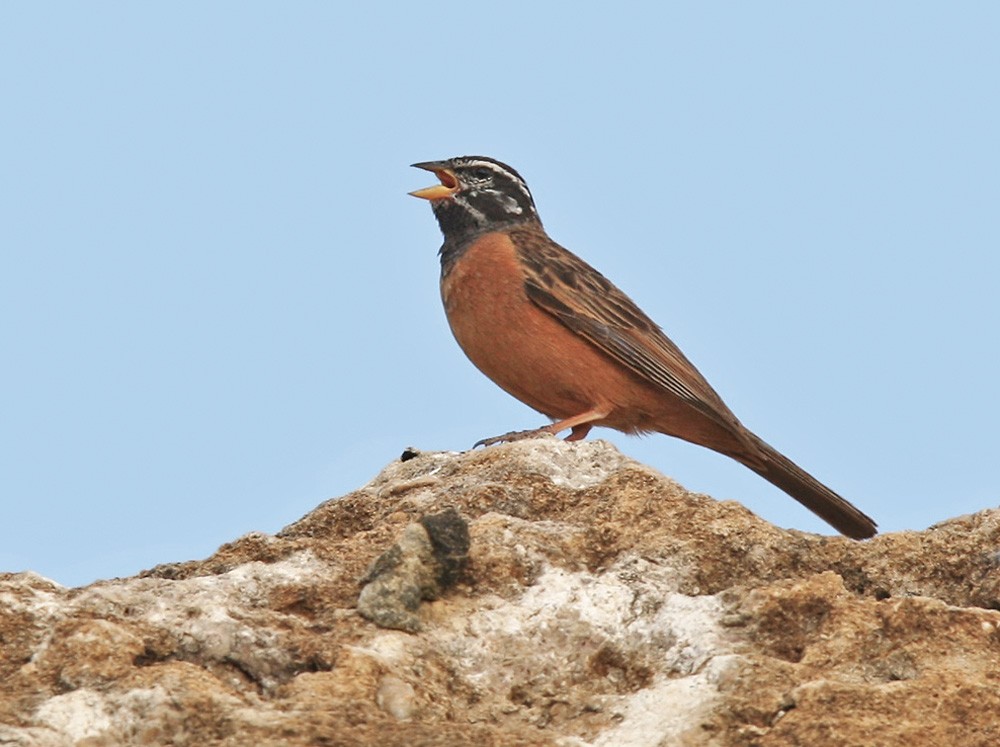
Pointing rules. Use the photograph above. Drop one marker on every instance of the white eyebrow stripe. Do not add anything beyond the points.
(494, 166)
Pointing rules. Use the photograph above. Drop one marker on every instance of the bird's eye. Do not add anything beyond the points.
(482, 173)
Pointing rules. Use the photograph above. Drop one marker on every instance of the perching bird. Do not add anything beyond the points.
(557, 335)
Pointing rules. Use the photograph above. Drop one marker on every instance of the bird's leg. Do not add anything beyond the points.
(580, 426)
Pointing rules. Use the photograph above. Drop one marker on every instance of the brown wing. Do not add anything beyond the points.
(591, 306)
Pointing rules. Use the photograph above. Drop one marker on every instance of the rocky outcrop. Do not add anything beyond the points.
(536, 593)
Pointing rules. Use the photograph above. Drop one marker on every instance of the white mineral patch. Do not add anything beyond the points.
(510, 642)
(77, 715)
(571, 465)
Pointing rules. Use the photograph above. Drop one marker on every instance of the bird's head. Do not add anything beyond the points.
(476, 195)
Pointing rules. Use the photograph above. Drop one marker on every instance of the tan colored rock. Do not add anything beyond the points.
(599, 603)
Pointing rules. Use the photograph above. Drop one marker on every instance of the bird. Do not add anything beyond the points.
(557, 335)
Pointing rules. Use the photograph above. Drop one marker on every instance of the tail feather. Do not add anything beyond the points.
(783, 473)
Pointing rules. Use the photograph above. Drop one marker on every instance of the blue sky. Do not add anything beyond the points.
(218, 306)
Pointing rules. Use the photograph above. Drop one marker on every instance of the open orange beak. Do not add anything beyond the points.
(447, 187)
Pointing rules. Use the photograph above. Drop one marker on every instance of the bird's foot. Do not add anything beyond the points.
(513, 436)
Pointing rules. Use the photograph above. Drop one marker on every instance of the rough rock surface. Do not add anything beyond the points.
(599, 604)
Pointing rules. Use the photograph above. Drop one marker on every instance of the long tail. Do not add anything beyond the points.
(782, 472)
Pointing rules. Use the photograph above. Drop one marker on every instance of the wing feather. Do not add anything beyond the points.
(572, 291)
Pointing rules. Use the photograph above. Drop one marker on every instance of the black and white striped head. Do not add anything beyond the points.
(476, 195)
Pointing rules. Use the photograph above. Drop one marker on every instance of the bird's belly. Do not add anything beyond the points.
(522, 348)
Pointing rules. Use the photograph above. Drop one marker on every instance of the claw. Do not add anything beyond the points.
(507, 438)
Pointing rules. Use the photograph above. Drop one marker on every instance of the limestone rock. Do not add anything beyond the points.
(560, 594)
